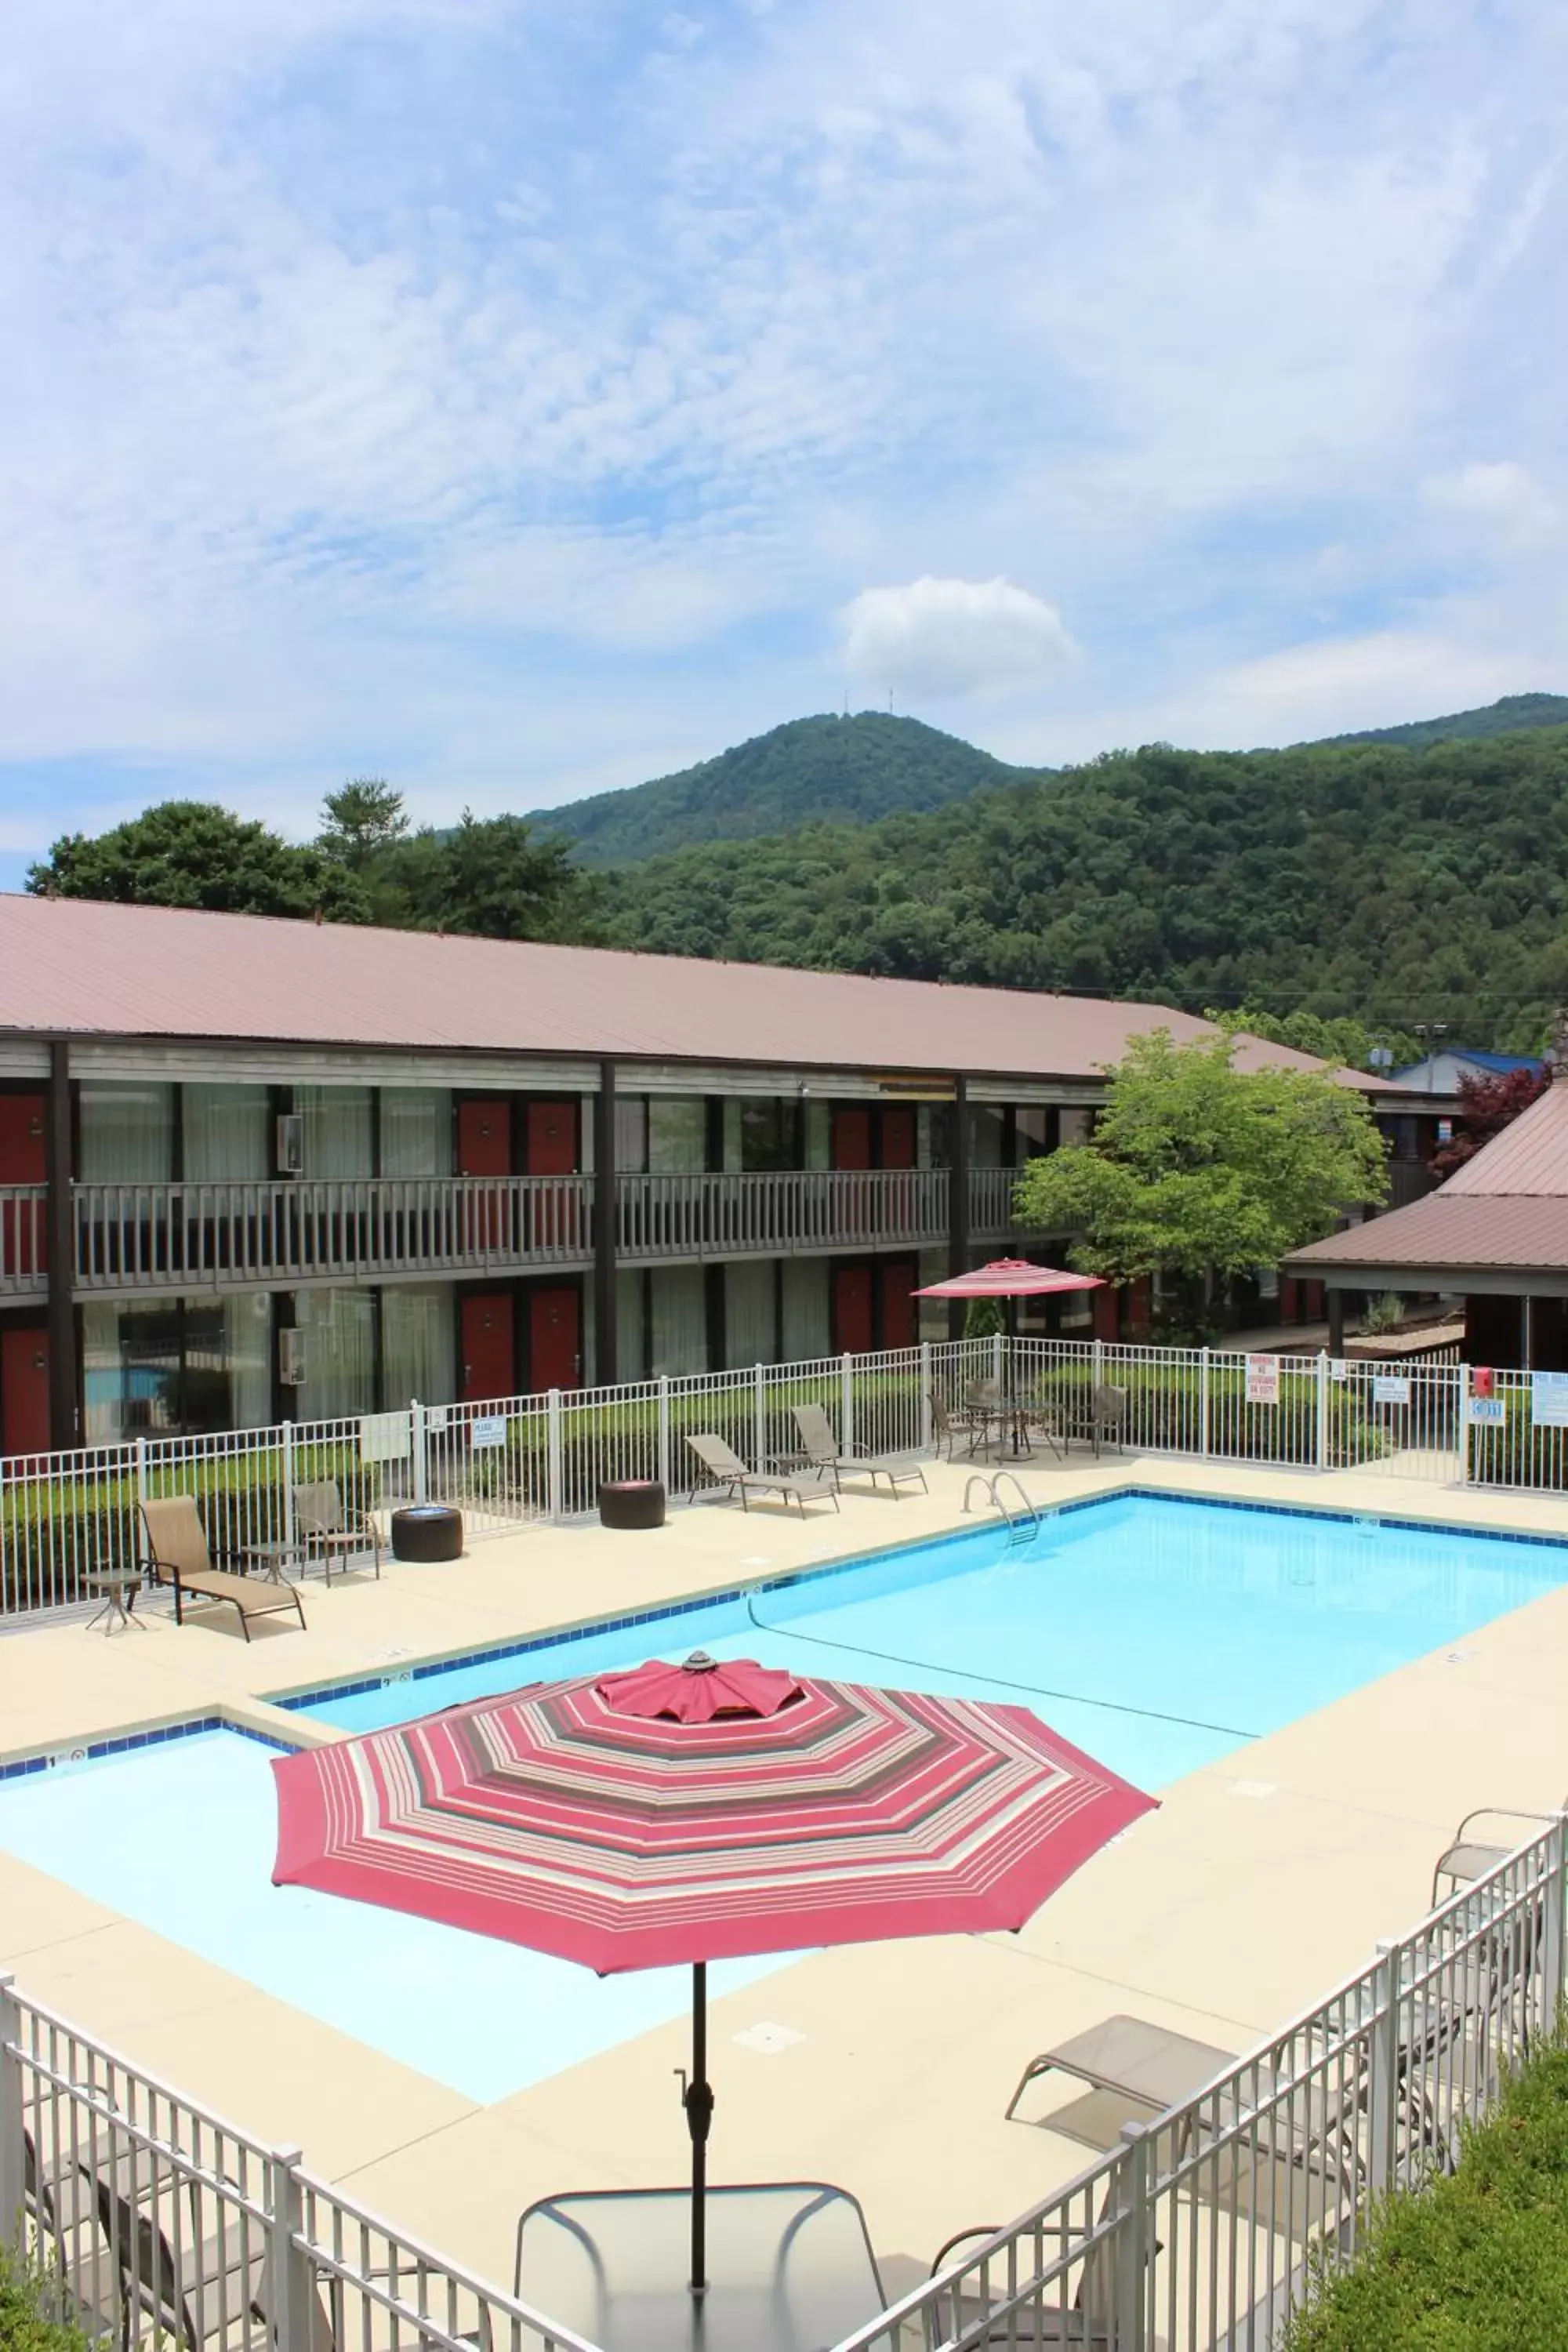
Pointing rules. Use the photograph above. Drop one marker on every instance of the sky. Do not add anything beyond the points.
(518, 401)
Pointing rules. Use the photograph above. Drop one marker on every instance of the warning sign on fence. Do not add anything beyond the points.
(1487, 1408)
(1548, 1400)
(1263, 1380)
(1389, 1388)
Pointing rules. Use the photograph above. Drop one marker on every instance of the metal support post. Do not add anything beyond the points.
(290, 2285)
(1382, 2063)
(996, 1368)
(847, 1403)
(1205, 1440)
(925, 1396)
(664, 1431)
(1097, 1361)
(606, 1219)
(290, 1478)
(1322, 1448)
(553, 1501)
(958, 1202)
(13, 2148)
(1462, 1420)
(419, 1472)
(759, 1417)
(1555, 1896)
(59, 1228)
(1131, 2205)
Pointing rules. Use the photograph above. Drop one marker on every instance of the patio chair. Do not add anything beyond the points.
(329, 1532)
(177, 1554)
(57, 2200)
(790, 2268)
(944, 1428)
(1466, 1858)
(204, 2293)
(1089, 2323)
(1146, 2065)
(1101, 1420)
(821, 1448)
(723, 1464)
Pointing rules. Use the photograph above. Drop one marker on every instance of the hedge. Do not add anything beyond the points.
(1479, 2260)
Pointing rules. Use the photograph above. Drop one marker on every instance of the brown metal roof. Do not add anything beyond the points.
(1451, 1232)
(78, 967)
(1529, 1158)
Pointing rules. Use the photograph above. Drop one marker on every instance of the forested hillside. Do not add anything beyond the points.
(1366, 879)
(1504, 717)
(843, 770)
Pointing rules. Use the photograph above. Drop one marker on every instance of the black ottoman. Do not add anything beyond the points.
(631, 1503)
(427, 1532)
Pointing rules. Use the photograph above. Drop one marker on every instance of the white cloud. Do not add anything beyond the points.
(942, 637)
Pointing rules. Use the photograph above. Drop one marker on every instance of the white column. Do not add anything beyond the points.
(664, 1431)
(847, 1403)
(289, 2283)
(553, 1503)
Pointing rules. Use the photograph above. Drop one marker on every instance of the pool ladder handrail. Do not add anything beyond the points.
(1022, 1529)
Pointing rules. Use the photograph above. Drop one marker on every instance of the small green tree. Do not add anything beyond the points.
(193, 854)
(1198, 1169)
(359, 820)
(491, 877)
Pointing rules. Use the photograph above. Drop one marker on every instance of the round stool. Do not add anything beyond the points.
(631, 1503)
(427, 1532)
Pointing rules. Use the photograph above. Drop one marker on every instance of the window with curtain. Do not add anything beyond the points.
(156, 1366)
(631, 1333)
(769, 1134)
(631, 1133)
(807, 1330)
(248, 1341)
(985, 1135)
(1075, 1124)
(418, 1345)
(227, 1134)
(678, 1336)
(340, 1353)
(127, 1131)
(818, 1135)
(751, 1320)
(337, 1129)
(1034, 1132)
(415, 1134)
(677, 1135)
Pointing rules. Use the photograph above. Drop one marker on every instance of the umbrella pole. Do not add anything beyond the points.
(698, 2100)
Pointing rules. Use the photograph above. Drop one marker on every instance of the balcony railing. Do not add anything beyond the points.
(144, 1237)
(23, 1260)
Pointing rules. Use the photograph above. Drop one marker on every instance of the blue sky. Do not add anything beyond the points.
(520, 401)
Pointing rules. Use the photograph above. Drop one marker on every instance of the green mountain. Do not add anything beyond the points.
(848, 771)
(1504, 717)
(1335, 878)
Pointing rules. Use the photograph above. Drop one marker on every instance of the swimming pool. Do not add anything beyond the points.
(1159, 1634)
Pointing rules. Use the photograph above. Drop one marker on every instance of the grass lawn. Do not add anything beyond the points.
(1480, 2262)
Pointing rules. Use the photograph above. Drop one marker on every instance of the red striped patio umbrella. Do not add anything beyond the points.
(697, 1814)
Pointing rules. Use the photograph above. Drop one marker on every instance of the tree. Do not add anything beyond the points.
(1342, 1041)
(488, 876)
(1487, 1105)
(359, 820)
(1198, 1169)
(193, 854)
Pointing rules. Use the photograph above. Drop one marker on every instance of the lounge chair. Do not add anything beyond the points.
(177, 1554)
(821, 1448)
(1468, 1858)
(722, 1463)
(1145, 2063)
(328, 1532)
(790, 2268)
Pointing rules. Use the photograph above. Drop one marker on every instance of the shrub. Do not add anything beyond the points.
(28, 2297)
(1477, 2261)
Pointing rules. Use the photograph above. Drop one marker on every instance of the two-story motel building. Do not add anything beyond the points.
(251, 1169)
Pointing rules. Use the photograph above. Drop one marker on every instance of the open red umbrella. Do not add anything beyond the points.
(697, 1814)
(1010, 1277)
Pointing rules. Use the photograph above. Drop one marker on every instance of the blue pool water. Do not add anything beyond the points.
(1158, 1634)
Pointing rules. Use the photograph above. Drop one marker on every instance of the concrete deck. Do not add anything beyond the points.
(907, 2054)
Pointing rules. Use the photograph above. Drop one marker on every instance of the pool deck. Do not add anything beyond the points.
(1259, 1882)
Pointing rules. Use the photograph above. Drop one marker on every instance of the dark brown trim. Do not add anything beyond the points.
(606, 1216)
(958, 1202)
(65, 1414)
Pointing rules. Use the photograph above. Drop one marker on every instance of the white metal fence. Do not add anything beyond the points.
(66, 1517)
(159, 2223)
(1197, 2234)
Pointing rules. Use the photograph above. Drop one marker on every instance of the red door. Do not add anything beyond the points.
(898, 1304)
(898, 1139)
(851, 1136)
(489, 1357)
(24, 1390)
(22, 1162)
(554, 1339)
(484, 1148)
(552, 1151)
(852, 1298)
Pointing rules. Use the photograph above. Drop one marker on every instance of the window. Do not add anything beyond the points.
(1034, 1132)
(418, 1345)
(340, 1353)
(769, 1134)
(678, 1336)
(127, 1132)
(631, 1133)
(227, 1135)
(162, 1365)
(1075, 1124)
(750, 1313)
(337, 1129)
(415, 1134)
(806, 1333)
(677, 1135)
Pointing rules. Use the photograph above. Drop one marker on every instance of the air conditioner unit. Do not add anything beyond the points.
(291, 1359)
(291, 1144)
